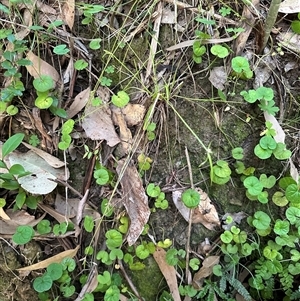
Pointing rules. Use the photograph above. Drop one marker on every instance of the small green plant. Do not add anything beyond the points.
(220, 173)
(241, 67)
(265, 97)
(65, 139)
(154, 192)
(121, 99)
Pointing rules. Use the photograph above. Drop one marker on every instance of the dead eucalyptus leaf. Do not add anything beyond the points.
(51, 160)
(134, 199)
(133, 113)
(68, 12)
(98, 125)
(79, 103)
(54, 259)
(168, 271)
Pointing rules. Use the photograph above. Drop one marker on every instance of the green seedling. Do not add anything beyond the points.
(241, 67)
(220, 173)
(296, 25)
(23, 235)
(191, 198)
(88, 223)
(66, 138)
(121, 99)
(219, 51)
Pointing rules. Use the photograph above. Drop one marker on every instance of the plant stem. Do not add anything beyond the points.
(270, 21)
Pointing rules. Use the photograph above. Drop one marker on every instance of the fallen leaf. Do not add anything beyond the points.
(40, 67)
(168, 16)
(289, 6)
(79, 103)
(168, 271)
(218, 77)
(54, 259)
(289, 40)
(205, 213)
(51, 160)
(125, 135)
(39, 181)
(205, 271)
(17, 218)
(133, 113)
(134, 199)
(97, 124)
(68, 11)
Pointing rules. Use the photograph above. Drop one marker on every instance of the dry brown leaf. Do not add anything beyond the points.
(79, 103)
(289, 40)
(54, 259)
(51, 160)
(97, 124)
(125, 135)
(68, 11)
(134, 199)
(133, 113)
(168, 271)
(247, 25)
(17, 218)
(205, 270)
(205, 213)
(40, 67)
(218, 77)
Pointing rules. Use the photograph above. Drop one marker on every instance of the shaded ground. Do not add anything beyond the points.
(187, 108)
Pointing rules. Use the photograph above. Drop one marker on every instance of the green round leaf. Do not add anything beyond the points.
(219, 51)
(12, 110)
(95, 44)
(221, 169)
(43, 83)
(281, 227)
(106, 209)
(253, 185)
(114, 239)
(226, 237)
(43, 102)
(55, 270)
(153, 190)
(296, 26)
(265, 93)
(292, 214)
(237, 153)
(68, 264)
(279, 199)
(43, 227)
(61, 49)
(88, 223)
(262, 153)
(42, 284)
(23, 235)
(292, 193)
(121, 99)
(261, 220)
(80, 64)
(267, 142)
(239, 64)
(142, 252)
(101, 175)
(190, 198)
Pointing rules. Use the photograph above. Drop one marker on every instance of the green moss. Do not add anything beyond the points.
(149, 281)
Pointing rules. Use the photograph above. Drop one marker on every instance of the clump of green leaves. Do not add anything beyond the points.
(155, 192)
(66, 130)
(265, 96)
(220, 173)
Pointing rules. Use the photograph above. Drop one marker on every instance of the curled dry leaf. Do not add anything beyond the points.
(205, 270)
(205, 213)
(134, 199)
(168, 271)
(40, 67)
